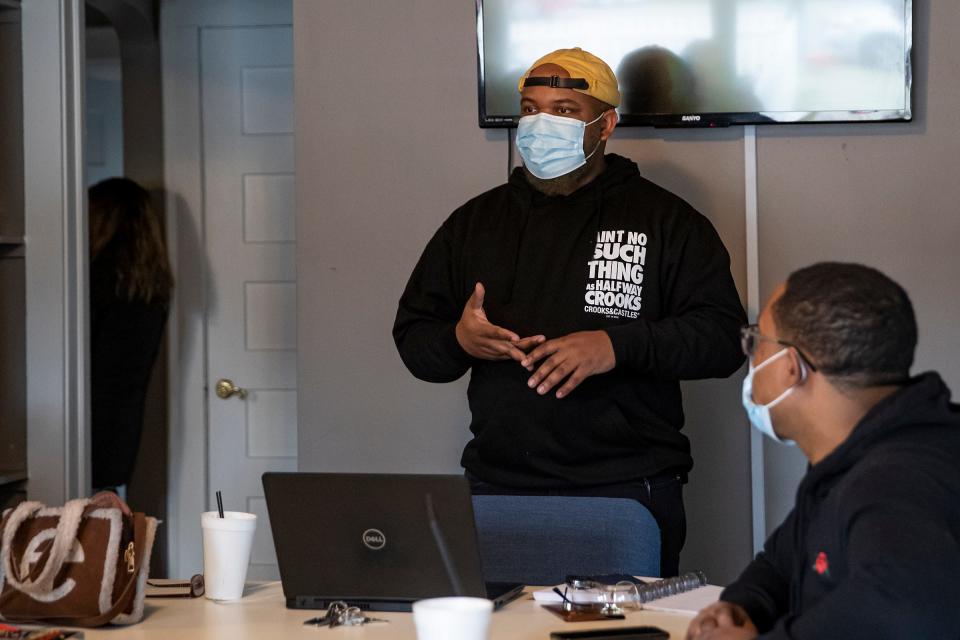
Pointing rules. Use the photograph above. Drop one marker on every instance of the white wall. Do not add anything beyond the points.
(103, 147)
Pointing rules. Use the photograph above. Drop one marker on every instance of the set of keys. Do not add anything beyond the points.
(340, 614)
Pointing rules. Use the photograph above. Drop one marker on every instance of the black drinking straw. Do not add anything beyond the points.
(220, 503)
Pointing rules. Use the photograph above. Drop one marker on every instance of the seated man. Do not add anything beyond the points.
(872, 546)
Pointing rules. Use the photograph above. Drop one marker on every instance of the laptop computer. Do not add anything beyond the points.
(376, 541)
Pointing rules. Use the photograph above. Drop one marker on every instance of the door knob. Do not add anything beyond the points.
(226, 388)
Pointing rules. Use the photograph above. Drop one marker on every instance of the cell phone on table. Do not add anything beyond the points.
(621, 633)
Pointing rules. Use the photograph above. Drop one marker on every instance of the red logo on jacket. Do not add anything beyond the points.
(822, 565)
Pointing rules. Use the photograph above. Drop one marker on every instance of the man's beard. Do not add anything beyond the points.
(559, 186)
(567, 183)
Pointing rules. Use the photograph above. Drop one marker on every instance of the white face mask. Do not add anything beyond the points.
(552, 146)
(759, 414)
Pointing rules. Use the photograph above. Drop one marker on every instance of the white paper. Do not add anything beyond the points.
(689, 602)
(548, 596)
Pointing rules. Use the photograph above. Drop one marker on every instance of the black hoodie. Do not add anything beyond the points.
(872, 546)
(620, 254)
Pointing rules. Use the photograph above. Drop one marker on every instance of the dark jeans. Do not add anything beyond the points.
(662, 494)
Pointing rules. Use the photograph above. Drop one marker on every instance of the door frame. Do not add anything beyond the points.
(55, 212)
(181, 26)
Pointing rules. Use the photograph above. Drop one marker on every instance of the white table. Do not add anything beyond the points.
(262, 614)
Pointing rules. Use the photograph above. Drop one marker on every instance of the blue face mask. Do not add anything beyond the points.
(759, 414)
(552, 146)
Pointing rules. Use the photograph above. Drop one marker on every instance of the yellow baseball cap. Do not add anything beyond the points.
(588, 74)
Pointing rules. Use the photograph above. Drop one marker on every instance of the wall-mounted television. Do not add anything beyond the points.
(711, 63)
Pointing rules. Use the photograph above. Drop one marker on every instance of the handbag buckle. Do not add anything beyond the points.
(130, 556)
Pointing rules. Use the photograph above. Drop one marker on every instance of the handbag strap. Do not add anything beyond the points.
(63, 541)
(126, 596)
(11, 525)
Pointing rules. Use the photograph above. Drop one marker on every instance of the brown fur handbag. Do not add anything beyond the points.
(84, 564)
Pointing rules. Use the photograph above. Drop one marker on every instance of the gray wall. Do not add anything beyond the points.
(706, 168)
(387, 147)
(886, 195)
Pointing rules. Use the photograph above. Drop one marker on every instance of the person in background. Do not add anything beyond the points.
(130, 287)
(872, 546)
(579, 294)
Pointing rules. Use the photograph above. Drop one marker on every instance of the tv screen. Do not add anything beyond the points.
(711, 62)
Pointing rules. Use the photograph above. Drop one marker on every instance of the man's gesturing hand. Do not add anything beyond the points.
(721, 620)
(573, 358)
(487, 341)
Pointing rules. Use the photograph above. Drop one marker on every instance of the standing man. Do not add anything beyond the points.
(579, 294)
(872, 546)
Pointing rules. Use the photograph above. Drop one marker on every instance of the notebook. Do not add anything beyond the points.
(376, 541)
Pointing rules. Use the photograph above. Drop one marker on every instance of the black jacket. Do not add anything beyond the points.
(872, 547)
(124, 341)
(620, 254)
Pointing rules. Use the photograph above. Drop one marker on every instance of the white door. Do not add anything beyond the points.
(247, 117)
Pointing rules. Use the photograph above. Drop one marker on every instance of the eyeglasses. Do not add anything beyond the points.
(608, 600)
(750, 335)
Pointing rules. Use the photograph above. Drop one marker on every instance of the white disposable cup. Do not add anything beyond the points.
(226, 552)
(452, 618)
